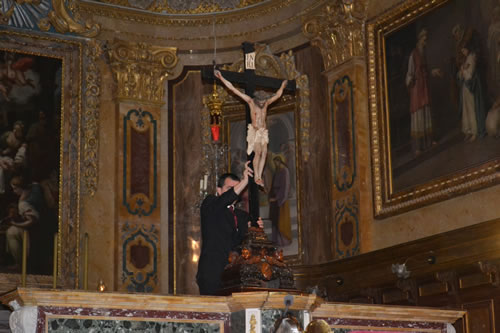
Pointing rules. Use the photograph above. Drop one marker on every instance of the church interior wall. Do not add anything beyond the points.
(100, 212)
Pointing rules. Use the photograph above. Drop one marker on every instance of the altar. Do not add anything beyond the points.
(54, 311)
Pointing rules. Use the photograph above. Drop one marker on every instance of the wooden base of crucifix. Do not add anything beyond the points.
(250, 81)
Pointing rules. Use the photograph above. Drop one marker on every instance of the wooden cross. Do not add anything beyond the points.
(250, 81)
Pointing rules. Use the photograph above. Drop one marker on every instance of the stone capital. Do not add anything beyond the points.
(141, 69)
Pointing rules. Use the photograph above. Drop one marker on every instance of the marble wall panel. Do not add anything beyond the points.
(315, 174)
(187, 169)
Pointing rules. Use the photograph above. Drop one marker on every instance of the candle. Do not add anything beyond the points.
(86, 261)
(54, 268)
(25, 256)
(201, 184)
(205, 179)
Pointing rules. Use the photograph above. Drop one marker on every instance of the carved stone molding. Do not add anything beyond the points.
(64, 17)
(338, 31)
(492, 269)
(451, 280)
(93, 52)
(141, 69)
(374, 294)
(409, 286)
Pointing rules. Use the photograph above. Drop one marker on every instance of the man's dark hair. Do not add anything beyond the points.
(223, 177)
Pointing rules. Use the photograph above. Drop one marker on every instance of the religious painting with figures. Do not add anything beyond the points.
(436, 120)
(278, 202)
(30, 122)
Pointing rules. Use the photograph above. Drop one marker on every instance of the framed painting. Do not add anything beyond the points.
(279, 203)
(40, 91)
(434, 91)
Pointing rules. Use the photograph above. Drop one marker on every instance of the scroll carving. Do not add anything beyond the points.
(92, 51)
(338, 31)
(64, 17)
(140, 70)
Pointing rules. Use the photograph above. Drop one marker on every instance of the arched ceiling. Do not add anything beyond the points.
(197, 27)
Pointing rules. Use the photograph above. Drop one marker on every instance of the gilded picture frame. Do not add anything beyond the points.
(430, 140)
(63, 118)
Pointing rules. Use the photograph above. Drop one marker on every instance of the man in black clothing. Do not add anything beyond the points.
(223, 227)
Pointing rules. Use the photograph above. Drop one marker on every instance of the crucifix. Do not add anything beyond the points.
(251, 81)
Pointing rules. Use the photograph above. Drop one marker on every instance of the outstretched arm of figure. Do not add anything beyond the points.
(278, 94)
(230, 86)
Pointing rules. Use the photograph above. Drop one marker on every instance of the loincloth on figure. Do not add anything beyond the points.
(259, 136)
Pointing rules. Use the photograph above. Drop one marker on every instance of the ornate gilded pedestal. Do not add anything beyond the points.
(258, 265)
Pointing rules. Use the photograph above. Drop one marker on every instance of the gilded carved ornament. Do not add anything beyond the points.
(141, 69)
(64, 17)
(93, 52)
(338, 31)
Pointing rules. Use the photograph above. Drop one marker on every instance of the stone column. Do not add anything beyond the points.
(140, 71)
(337, 29)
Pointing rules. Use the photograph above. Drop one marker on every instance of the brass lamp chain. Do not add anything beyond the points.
(215, 36)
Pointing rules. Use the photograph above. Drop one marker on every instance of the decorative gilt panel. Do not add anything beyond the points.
(347, 227)
(338, 31)
(140, 257)
(140, 70)
(93, 52)
(140, 193)
(344, 138)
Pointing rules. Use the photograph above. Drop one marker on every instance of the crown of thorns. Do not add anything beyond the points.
(261, 95)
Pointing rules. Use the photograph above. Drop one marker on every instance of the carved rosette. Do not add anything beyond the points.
(141, 69)
(338, 31)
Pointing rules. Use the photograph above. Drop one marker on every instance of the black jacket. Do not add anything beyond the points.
(219, 236)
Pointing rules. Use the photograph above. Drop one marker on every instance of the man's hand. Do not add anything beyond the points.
(248, 172)
(259, 222)
(217, 73)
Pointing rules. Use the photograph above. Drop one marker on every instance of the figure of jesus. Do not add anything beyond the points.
(257, 133)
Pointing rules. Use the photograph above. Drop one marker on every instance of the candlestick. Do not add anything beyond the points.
(86, 261)
(25, 256)
(101, 287)
(54, 268)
